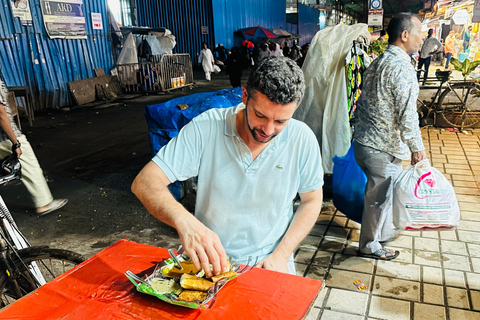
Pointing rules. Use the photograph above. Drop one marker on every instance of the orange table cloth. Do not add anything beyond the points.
(98, 289)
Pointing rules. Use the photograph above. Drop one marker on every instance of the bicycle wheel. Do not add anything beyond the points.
(50, 262)
(456, 113)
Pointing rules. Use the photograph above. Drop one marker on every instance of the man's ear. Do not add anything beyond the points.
(244, 95)
(404, 35)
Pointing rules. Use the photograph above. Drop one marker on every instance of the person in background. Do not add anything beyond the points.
(221, 53)
(235, 65)
(13, 140)
(386, 131)
(264, 52)
(305, 48)
(449, 47)
(275, 49)
(295, 51)
(458, 44)
(466, 38)
(431, 45)
(286, 49)
(206, 59)
(251, 161)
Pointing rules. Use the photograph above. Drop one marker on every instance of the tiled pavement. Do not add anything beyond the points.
(436, 276)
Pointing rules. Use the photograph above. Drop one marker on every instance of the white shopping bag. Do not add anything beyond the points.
(216, 69)
(424, 199)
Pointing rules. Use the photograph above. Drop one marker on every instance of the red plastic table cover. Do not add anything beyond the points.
(98, 289)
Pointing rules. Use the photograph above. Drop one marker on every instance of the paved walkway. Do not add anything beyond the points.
(436, 276)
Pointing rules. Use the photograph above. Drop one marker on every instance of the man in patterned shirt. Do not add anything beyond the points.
(387, 131)
(13, 140)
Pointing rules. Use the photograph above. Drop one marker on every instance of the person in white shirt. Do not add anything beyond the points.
(207, 61)
(431, 45)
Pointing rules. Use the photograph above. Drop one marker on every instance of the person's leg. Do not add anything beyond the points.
(449, 56)
(427, 65)
(381, 170)
(421, 62)
(465, 46)
(207, 76)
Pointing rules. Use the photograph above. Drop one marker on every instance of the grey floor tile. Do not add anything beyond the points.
(473, 280)
(338, 221)
(332, 244)
(354, 235)
(333, 315)
(347, 301)
(432, 275)
(399, 270)
(353, 263)
(454, 278)
(405, 255)
(469, 236)
(455, 262)
(433, 294)
(352, 224)
(344, 279)
(426, 258)
(430, 234)
(337, 232)
(313, 314)
(457, 298)
(396, 288)
(426, 244)
(412, 233)
(427, 311)
(474, 250)
(402, 241)
(310, 242)
(317, 272)
(319, 301)
(459, 314)
(476, 265)
(469, 215)
(324, 219)
(300, 269)
(304, 255)
(389, 309)
(352, 248)
(469, 225)
(318, 230)
(475, 295)
(454, 247)
(323, 258)
(448, 235)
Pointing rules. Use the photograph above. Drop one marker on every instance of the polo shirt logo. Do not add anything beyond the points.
(279, 167)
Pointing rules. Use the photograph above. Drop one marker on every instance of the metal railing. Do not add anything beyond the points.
(171, 72)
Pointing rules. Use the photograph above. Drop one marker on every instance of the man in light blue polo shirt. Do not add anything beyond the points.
(251, 161)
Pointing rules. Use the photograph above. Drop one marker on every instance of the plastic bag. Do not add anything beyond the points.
(424, 199)
(348, 186)
(216, 69)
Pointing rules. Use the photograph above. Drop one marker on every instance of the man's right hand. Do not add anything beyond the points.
(202, 245)
(418, 156)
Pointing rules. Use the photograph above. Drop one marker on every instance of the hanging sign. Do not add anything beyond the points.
(21, 9)
(375, 17)
(64, 19)
(376, 4)
(460, 16)
(97, 21)
(476, 11)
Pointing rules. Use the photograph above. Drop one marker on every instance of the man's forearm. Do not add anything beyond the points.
(303, 221)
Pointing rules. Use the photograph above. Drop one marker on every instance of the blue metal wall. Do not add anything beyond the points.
(183, 18)
(231, 15)
(308, 23)
(29, 57)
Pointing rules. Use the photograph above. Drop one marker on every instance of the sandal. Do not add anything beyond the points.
(380, 254)
(393, 238)
(52, 206)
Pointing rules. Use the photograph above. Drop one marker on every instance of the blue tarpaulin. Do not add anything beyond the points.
(165, 119)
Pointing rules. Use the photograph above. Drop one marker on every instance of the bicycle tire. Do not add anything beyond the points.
(454, 112)
(51, 262)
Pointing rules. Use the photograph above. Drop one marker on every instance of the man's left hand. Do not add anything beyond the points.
(418, 156)
(274, 263)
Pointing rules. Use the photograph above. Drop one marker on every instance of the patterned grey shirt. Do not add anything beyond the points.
(386, 117)
(4, 101)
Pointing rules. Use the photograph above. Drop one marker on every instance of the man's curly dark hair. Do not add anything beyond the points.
(279, 78)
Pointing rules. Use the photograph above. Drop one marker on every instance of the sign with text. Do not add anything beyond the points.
(476, 11)
(21, 9)
(375, 17)
(376, 4)
(460, 16)
(97, 21)
(204, 30)
(64, 18)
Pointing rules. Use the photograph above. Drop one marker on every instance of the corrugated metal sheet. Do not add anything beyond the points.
(231, 15)
(308, 23)
(184, 19)
(29, 57)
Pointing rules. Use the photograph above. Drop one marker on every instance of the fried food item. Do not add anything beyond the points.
(188, 267)
(191, 296)
(227, 274)
(195, 283)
